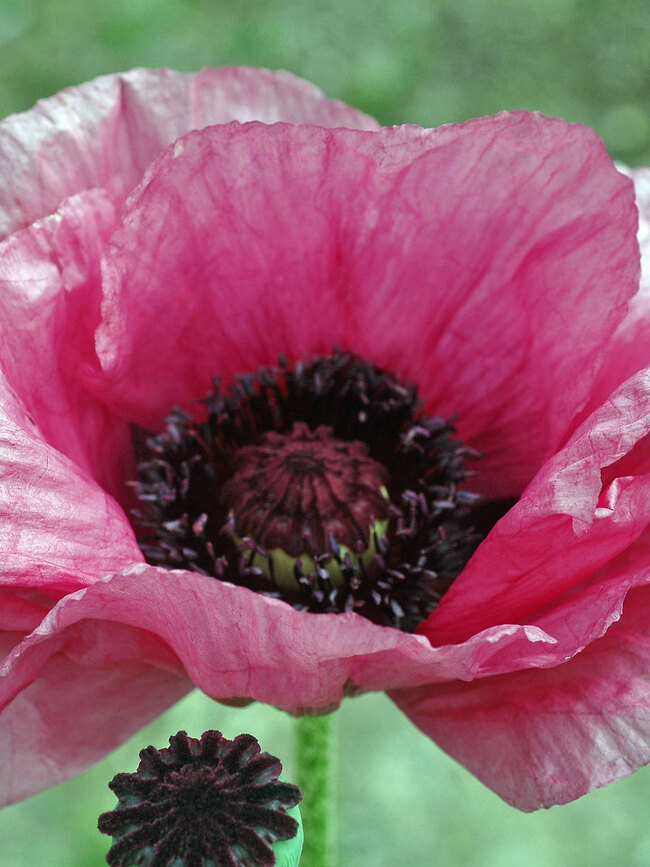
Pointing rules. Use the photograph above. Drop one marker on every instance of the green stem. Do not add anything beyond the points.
(315, 753)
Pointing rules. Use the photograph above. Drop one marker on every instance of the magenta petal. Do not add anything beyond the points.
(546, 736)
(18, 615)
(629, 348)
(468, 259)
(235, 644)
(232, 252)
(49, 307)
(73, 715)
(58, 529)
(522, 228)
(586, 506)
(106, 132)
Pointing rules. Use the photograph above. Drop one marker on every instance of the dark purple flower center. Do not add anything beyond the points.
(305, 492)
(324, 485)
(201, 802)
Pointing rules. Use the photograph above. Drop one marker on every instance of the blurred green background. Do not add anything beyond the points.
(401, 800)
(402, 803)
(420, 61)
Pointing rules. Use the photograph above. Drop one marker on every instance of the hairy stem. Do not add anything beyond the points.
(316, 756)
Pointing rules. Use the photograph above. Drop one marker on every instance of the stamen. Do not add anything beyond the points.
(324, 485)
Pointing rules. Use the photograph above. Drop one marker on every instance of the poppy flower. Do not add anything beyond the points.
(295, 408)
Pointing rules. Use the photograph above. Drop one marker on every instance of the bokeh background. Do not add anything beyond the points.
(418, 61)
(401, 801)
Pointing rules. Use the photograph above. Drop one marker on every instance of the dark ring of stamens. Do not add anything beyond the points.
(430, 537)
(200, 802)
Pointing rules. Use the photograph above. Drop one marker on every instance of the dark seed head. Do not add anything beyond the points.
(200, 803)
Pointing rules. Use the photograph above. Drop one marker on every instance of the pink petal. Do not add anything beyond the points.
(106, 132)
(469, 259)
(629, 348)
(232, 643)
(488, 299)
(42, 745)
(18, 615)
(419, 250)
(235, 644)
(58, 529)
(587, 504)
(226, 259)
(49, 307)
(546, 736)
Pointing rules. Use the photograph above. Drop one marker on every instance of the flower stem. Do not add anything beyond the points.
(315, 753)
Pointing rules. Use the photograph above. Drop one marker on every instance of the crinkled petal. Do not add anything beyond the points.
(468, 259)
(50, 296)
(235, 644)
(629, 348)
(546, 736)
(73, 714)
(106, 132)
(587, 506)
(228, 257)
(523, 229)
(58, 529)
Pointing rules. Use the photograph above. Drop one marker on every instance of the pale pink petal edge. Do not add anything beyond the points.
(547, 736)
(105, 132)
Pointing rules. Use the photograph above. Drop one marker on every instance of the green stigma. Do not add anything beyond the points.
(283, 569)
